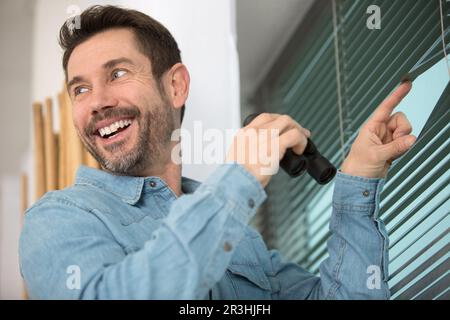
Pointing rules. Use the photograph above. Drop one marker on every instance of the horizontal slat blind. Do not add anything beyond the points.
(415, 201)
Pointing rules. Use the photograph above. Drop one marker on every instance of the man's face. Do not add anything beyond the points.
(118, 110)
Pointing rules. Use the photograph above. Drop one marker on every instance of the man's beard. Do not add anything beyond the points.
(154, 131)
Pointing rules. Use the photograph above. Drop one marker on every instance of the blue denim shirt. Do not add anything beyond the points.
(118, 237)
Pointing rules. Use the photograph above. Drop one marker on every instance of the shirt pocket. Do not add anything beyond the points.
(128, 217)
(124, 214)
(249, 281)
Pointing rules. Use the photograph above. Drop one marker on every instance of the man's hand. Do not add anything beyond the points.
(264, 140)
(382, 139)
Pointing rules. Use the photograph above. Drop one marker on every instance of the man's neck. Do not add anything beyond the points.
(170, 173)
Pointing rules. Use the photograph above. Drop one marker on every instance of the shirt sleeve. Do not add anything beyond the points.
(186, 256)
(357, 262)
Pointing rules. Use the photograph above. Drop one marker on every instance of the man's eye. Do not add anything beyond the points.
(118, 73)
(79, 90)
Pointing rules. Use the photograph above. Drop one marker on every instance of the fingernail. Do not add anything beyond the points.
(405, 78)
(411, 140)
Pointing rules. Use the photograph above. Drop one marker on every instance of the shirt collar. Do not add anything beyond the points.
(128, 188)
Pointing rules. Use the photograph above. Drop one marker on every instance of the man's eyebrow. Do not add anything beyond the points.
(74, 81)
(112, 63)
(107, 65)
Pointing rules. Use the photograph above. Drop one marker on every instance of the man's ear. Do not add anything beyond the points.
(177, 81)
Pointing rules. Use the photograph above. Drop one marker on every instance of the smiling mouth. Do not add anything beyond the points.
(112, 130)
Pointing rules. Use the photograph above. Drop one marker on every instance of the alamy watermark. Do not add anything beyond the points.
(74, 20)
(73, 281)
(210, 146)
(374, 20)
(374, 279)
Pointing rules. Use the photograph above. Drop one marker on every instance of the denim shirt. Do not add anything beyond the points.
(119, 237)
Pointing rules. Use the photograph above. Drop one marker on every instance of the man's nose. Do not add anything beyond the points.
(102, 98)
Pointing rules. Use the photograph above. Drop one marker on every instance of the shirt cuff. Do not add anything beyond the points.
(357, 194)
(238, 187)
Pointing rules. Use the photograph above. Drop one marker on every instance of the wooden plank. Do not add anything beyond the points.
(74, 146)
(23, 193)
(62, 152)
(57, 155)
(50, 148)
(23, 208)
(39, 153)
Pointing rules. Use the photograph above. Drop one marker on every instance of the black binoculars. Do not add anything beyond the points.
(311, 161)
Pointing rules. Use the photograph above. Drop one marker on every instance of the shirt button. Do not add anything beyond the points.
(251, 203)
(366, 193)
(152, 184)
(227, 247)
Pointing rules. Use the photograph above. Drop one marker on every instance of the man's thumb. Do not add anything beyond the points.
(397, 148)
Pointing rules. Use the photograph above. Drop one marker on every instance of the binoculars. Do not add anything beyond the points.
(311, 161)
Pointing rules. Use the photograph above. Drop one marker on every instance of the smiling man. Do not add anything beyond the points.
(121, 111)
(136, 229)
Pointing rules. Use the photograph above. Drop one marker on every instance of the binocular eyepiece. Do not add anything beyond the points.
(311, 161)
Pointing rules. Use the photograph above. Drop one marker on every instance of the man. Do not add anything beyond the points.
(137, 230)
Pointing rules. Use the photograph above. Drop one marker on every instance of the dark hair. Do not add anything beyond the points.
(153, 39)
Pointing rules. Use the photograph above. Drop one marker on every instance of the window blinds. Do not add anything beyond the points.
(368, 64)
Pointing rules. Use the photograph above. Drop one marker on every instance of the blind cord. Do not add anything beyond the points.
(338, 80)
(443, 35)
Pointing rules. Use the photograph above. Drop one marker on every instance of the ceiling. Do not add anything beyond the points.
(263, 29)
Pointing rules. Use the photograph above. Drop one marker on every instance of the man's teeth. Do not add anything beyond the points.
(113, 127)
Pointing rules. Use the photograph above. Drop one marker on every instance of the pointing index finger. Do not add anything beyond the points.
(384, 110)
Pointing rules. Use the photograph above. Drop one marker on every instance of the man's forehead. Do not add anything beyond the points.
(101, 48)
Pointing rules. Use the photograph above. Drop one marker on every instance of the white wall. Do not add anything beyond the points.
(10, 280)
(261, 40)
(206, 34)
(16, 22)
(205, 31)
